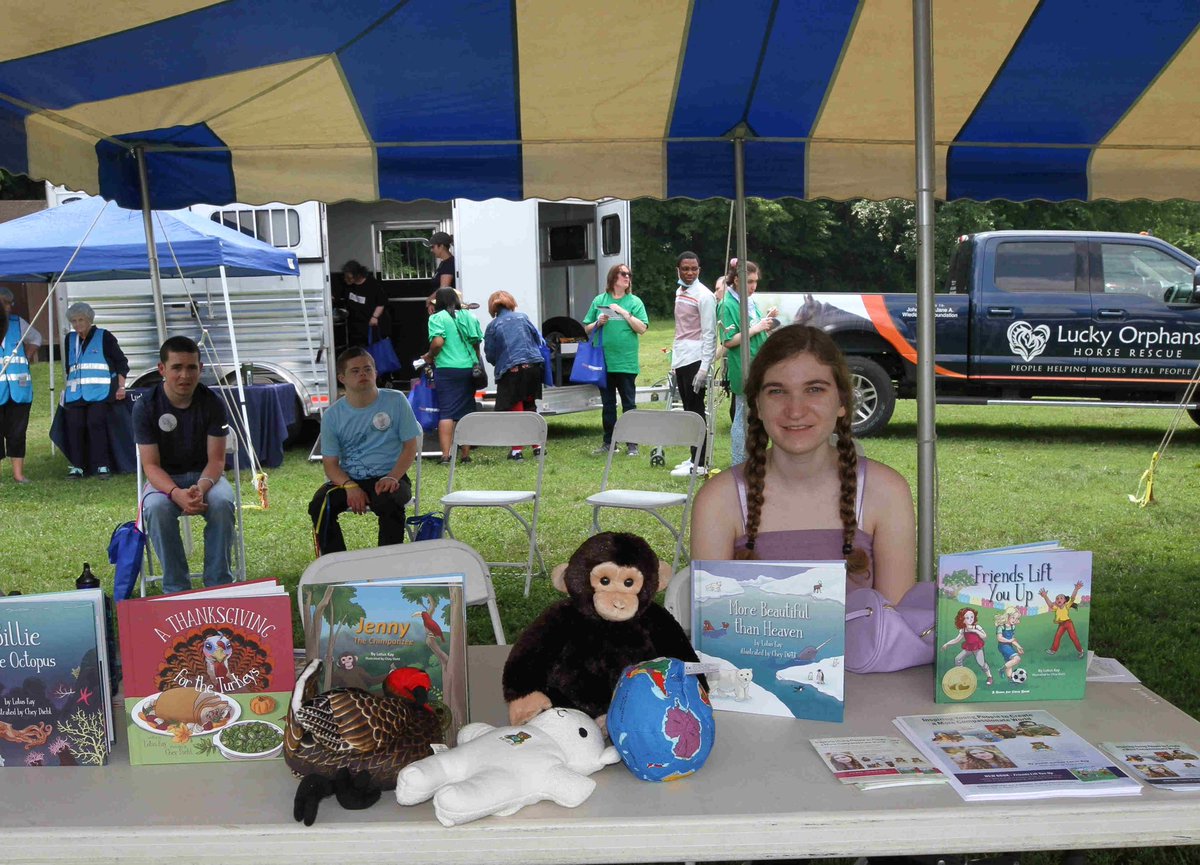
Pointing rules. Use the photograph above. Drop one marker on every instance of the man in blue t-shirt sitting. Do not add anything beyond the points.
(180, 430)
(369, 438)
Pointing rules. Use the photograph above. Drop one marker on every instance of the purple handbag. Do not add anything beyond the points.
(881, 638)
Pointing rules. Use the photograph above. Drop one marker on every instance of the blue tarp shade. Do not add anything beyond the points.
(329, 100)
(37, 247)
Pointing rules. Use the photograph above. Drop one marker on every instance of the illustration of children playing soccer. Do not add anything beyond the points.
(972, 638)
(1061, 608)
(1006, 640)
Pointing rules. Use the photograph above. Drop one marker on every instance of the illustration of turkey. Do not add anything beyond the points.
(351, 743)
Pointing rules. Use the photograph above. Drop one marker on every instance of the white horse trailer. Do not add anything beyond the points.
(282, 324)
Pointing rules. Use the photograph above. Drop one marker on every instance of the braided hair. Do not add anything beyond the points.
(785, 343)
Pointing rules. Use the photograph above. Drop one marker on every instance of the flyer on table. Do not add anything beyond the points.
(1166, 765)
(875, 761)
(1014, 755)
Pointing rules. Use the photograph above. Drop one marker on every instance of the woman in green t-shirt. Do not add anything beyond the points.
(454, 338)
(729, 331)
(623, 319)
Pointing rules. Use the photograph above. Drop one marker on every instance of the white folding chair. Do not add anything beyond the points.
(420, 559)
(654, 428)
(501, 429)
(238, 562)
(678, 598)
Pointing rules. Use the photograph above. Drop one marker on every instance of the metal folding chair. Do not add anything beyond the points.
(501, 429)
(655, 428)
(420, 559)
(185, 523)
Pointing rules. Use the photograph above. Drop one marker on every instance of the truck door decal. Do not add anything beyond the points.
(877, 311)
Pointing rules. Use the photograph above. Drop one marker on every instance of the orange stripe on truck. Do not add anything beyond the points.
(877, 310)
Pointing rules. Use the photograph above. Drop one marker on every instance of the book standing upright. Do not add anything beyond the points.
(775, 634)
(55, 701)
(1013, 624)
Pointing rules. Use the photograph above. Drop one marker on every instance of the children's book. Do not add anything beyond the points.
(365, 629)
(208, 673)
(1173, 766)
(1013, 624)
(771, 636)
(55, 701)
(876, 762)
(1014, 755)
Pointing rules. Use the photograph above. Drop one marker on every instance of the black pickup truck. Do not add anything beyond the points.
(1087, 318)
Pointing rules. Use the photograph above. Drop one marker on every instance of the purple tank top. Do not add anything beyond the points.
(811, 544)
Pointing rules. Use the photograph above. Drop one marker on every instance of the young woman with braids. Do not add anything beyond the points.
(802, 493)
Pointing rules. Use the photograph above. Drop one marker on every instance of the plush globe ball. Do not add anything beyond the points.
(660, 720)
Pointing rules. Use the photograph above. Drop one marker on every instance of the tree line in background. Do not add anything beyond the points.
(860, 246)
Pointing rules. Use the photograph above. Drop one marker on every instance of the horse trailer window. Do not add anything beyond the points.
(568, 243)
(610, 234)
(404, 254)
(278, 226)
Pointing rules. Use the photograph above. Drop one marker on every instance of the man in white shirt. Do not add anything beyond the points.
(694, 347)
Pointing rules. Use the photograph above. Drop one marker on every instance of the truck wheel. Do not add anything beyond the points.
(874, 396)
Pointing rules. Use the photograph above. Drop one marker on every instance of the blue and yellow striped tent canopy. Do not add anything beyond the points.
(267, 100)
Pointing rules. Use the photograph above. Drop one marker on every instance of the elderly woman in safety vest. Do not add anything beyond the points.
(96, 369)
(19, 343)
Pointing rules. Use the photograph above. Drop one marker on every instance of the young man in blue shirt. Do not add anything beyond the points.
(369, 439)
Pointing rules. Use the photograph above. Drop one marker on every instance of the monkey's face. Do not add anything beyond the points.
(615, 591)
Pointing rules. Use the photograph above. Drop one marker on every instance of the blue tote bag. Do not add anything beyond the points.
(383, 353)
(423, 399)
(547, 365)
(588, 367)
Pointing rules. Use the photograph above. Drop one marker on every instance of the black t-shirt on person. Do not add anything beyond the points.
(180, 433)
(444, 268)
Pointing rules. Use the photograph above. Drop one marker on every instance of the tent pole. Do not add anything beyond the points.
(926, 394)
(160, 317)
(237, 372)
(739, 208)
(51, 288)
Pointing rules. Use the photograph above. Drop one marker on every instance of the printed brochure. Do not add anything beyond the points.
(1171, 766)
(874, 762)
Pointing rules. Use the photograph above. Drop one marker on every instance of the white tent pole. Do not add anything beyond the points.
(160, 317)
(926, 399)
(52, 287)
(312, 354)
(237, 368)
(739, 207)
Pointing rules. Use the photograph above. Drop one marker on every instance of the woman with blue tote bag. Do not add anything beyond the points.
(622, 318)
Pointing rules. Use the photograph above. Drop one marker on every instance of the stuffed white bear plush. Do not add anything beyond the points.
(500, 770)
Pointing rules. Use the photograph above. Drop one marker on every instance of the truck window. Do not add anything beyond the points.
(1036, 266)
(1130, 268)
(959, 281)
(278, 226)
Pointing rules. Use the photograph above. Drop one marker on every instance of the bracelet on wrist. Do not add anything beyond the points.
(171, 491)
(211, 482)
(349, 485)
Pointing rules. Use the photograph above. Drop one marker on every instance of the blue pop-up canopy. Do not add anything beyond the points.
(40, 246)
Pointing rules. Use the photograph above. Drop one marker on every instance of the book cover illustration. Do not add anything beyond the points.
(1013, 625)
(775, 632)
(363, 630)
(208, 674)
(54, 696)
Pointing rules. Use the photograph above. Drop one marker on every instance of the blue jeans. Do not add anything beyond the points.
(737, 432)
(160, 517)
(625, 384)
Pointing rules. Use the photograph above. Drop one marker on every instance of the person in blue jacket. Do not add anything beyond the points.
(18, 347)
(512, 345)
(96, 369)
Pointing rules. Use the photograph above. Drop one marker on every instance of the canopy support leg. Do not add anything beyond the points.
(160, 316)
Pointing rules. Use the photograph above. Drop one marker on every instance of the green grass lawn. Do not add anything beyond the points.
(1007, 475)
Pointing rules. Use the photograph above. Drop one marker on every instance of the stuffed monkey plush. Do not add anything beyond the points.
(572, 655)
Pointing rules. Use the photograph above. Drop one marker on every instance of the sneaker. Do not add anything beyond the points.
(687, 462)
(683, 469)
(74, 473)
(104, 473)
(602, 450)
(1079, 653)
(537, 450)
(444, 461)
(516, 455)
(633, 450)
